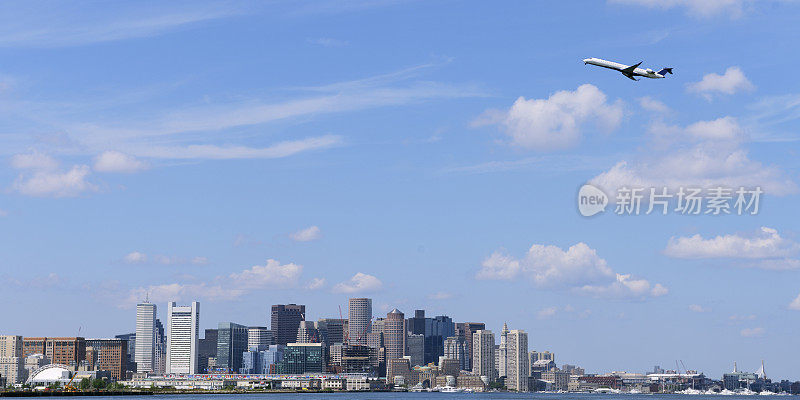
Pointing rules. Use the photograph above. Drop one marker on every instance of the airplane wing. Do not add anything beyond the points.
(630, 77)
(629, 70)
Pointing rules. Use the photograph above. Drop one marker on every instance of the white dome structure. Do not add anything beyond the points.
(49, 374)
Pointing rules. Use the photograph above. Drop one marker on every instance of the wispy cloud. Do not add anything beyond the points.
(307, 234)
(52, 24)
(211, 130)
(328, 42)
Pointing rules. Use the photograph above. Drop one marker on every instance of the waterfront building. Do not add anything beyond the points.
(183, 325)
(517, 360)
(483, 354)
(131, 339)
(68, 351)
(12, 363)
(285, 319)
(302, 358)
(109, 355)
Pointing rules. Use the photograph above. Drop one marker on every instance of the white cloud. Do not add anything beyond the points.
(558, 121)
(35, 161)
(651, 104)
(625, 286)
(114, 161)
(307, 234)
(697, 8)
(732, 81)
(48, 183)
(752, 332)
(440, 296)
(316, 283)
(135, 257)
(704, 154)
(579, 268)
(360, 282)
(795, 304)
(698, 308)
(547, 312)
(767, 246)
(272, 274)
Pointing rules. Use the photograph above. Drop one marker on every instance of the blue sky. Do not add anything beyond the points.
(425, 154)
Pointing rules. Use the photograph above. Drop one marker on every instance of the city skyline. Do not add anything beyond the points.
(425, 155)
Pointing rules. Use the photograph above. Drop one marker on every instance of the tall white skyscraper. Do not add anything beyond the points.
(183, 326)
(359, 317)
(145, 337)
(517, 360)
(483, 354)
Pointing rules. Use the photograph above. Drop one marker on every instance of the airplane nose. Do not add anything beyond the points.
(586, 60)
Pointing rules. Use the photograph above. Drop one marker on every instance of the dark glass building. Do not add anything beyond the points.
(285, 321)
(231, 345)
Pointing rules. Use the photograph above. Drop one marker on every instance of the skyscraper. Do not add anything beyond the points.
(259, 337)
(206, 350)
(308, 332)
(358, 319)
(502, 354)
(517, 360)
(145, 337)
(12, 365)
(336, 329)
(394, 334)
(183, 326)
(231, 344)
(415, 349)
(394, 337)
(160, 350)
(455, 348)
(466, 329)
(483, 354)
(435, 330)
(285, 319)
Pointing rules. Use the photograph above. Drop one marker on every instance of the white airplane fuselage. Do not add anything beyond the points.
(645, 72)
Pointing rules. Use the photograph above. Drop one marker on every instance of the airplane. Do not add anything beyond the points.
(628, 71)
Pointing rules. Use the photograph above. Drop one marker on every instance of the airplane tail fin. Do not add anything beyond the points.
(665, 70)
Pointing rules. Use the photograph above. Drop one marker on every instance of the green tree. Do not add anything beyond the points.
(85, 384)
(99, 384)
